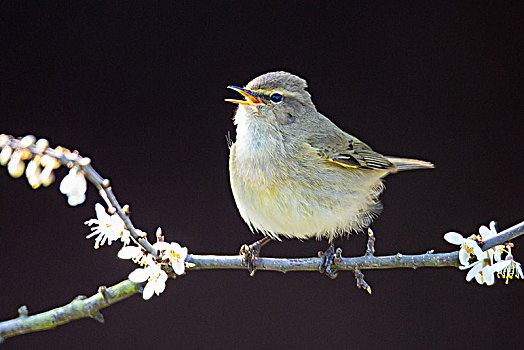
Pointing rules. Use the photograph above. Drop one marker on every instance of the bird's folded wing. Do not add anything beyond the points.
(353, 154)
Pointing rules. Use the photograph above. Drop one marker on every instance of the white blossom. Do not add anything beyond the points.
(5, 155)
(32, 173)
(174, 253)
(136, 254)
(47, 176)
(154, 275)
(467, 246)
(27, 141)
(482, 270)
(16, 165)
(110, 227)
(509, 268)
(487, 263)
(74, 186)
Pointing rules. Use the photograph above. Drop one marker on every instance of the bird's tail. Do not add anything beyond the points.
(409, 164)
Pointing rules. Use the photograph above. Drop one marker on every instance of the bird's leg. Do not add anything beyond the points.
(251, 252)
(327, 261)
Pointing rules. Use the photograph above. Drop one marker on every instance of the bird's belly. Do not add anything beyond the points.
(306, 208)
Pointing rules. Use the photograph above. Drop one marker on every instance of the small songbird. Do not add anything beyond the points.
(294, 173)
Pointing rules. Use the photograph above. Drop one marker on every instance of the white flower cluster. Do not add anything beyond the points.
(40, 167)
(483, 265)
(110, 228)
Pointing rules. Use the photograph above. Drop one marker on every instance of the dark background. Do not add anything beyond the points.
(139, 88)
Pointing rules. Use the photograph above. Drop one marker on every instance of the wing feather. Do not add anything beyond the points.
(354, 154)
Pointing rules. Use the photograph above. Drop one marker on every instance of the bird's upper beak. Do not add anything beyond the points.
(250, 98)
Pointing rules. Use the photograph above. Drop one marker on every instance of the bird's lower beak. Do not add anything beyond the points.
(251, 99)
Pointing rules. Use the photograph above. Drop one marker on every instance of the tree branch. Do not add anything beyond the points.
(82, 307)
(213, 262)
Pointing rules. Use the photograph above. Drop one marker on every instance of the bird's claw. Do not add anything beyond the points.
(249, 255)
(250, 252)
(327, 264)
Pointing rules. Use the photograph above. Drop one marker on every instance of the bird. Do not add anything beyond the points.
(296, 174)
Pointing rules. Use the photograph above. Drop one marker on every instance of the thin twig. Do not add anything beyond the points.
(370, 250)
(361, 283)
(504, 236)
(69, 158)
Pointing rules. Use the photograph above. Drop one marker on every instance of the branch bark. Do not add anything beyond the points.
(210, 262)
(504, 236)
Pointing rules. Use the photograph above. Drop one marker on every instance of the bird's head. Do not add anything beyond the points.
(277, 98)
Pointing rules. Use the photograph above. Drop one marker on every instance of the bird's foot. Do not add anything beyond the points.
(250, 252)
(328, 262)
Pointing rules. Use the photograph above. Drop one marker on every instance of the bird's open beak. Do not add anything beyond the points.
(251, 99)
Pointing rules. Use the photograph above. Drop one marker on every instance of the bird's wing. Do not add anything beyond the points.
(350, 152)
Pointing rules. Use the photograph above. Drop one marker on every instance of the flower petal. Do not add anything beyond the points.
(497, 253)
(518, 270)
(129, 252)
(493, 227)
(501, 265)
(159, 286)
(162, 246)
(100, 211)
(183, 253)
(76, 199)
(478, 278)
(139, 275)
(463, 257)
(488, 275)
(179, 267)
(175, 246)
(454, 238)
(126, 237)
(485, 232)
(475, 270)
(91, 222)
(149, 289)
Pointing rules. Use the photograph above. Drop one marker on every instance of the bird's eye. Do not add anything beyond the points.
(276, 97)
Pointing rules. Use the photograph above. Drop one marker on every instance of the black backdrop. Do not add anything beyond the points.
(139, 88)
